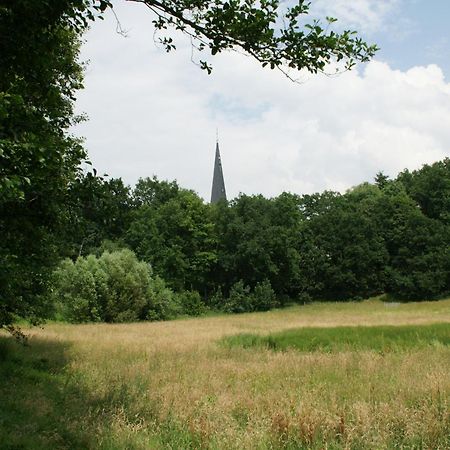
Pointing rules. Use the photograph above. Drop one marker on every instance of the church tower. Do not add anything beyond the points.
(218, 186)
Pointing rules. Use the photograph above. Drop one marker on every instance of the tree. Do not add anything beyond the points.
(430, 188)
(38, 157)
(97, 209)
(257, 241)
(175, 236)
(243, 233)
(381, 180)
(419, 261)
(276, 37)
(154, 192)
(342, 248)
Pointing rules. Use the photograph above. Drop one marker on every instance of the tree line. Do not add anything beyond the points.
(390, 236)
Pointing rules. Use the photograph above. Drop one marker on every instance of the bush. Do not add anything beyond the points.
(263, 297)
(76, 288)
(191, 303)
(304, 298)
(162, 302)
(216, 300)
(127, 285)
(115, 287)
(239, 300)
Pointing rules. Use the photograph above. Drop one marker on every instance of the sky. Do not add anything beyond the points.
(156, 113)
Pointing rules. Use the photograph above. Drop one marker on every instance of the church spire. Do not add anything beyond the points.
(218, 187)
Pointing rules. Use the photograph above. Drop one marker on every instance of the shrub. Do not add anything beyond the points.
(239, 300)
(75, 289)
(191, 303)
(263, 297)
(115, 287)
(304, 298)
(162, 303)
(127, 283)
(216, 300)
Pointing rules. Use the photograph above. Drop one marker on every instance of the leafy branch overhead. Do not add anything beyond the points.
(274, 35)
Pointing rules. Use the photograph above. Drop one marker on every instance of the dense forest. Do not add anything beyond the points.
(159, 250)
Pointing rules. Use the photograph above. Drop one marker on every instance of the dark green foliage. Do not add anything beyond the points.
(38, 158)
(258, 240)
(242, 299)
(264, 297)
(430, 188)
(109, 246)
(371, 240)
(191, 303)
(97, 209)
(377, 338)
(419, 263)
(254, 254)
(172, 230)
(216, 299)
(239, 300)
(154, 192)
(342, 248)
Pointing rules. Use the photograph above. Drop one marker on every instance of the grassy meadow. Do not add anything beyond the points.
(294, 378)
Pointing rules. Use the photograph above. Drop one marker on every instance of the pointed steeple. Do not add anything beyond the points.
(218, 187)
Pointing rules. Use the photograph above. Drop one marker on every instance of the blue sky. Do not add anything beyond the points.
(418, 33)
(153, 113)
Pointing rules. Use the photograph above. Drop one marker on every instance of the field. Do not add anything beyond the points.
(188, 384)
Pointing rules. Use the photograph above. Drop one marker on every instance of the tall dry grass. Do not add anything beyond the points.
(170, 385)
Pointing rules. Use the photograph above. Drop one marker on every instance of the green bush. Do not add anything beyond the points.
(191, 303)
(239, 300)
(216, 300)
(115, 287)
(162, 302)
(76, 288)
(263, 297)
(127, 284)
(242, 299)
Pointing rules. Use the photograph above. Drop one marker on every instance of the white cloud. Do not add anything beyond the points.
(153, 113)
(364, 15)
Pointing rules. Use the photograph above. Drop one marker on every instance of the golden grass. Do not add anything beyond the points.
(170, 385)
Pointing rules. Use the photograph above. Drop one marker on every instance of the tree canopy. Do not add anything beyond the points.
(254, 253)
(40, 73)
(276, 35)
